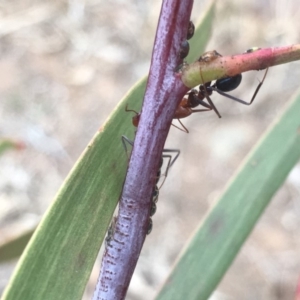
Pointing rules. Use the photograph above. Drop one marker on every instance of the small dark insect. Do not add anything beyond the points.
(191, 30)
(209, 56)
(185, 46)
(110, 231)
(150, 226)
(184, 49)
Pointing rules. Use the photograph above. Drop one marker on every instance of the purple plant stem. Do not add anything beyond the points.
(163, 94)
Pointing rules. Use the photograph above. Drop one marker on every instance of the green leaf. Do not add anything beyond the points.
(59, 258)
(217, 242)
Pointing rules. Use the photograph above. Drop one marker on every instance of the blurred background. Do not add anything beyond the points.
(64, 66)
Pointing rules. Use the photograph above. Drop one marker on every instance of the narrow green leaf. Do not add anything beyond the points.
(58, 259)
(217, 242)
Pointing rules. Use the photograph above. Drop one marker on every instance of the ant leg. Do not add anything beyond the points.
(201, 102)
(124, 140)
(211, 103)
(259, 86)
(171, 161)
(184, 128)
(126, 109)
(239, 100)
(199, 110)
(208, 98)
(192, 111)
(194, 99)
(169, 158)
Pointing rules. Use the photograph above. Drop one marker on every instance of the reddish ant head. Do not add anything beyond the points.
(136, 120)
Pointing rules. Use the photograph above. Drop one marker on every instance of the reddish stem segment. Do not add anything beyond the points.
(201, 71)
(163, 93)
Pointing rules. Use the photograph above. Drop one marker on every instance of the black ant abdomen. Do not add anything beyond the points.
(228, 84)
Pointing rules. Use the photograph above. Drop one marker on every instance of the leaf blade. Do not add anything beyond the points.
(231, 220)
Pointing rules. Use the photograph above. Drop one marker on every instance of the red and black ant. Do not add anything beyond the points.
(227, 84)
(221, 86)
(196, 98)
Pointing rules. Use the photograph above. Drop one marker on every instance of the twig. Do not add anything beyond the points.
(224, 66)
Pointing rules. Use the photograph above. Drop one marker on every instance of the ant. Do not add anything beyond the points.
(195, 98)
(228, 84)
(221, 86)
